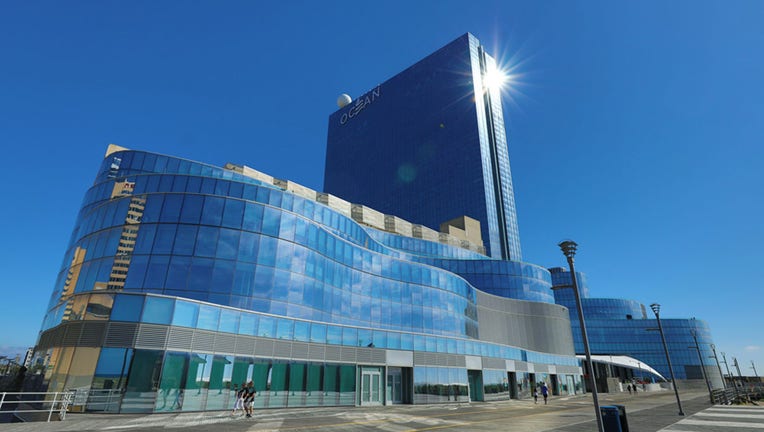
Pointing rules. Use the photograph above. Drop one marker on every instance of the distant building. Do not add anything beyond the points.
(625, 327)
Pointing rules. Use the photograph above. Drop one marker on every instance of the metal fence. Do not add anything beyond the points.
(37, 402)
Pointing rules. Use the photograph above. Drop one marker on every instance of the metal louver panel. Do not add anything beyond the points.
(316, 352)
(348, 354)
(72, 336)
(494, 363)
(121, 335)
(93, 334)
(363, 355)
(180, 339)
(299, 350)
(225, 343)
(333, 353)
(264, 347)
(378, 356)
(204, 341)
(151, 336)
(282, 349)
(245, 345)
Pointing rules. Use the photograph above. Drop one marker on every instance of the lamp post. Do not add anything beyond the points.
(657, 311)
(753, 366)
(702, 368)
(568, 248)
(740, 375)
(724, 382)
(731, 377)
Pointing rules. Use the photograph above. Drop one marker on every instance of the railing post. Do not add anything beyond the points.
(1, 401)
(53, 404)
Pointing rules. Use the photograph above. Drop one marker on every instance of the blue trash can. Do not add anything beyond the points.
(622, 418)
(611, 421)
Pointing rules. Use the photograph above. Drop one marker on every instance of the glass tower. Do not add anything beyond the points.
(429, 145)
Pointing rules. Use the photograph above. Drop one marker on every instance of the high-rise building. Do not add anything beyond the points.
(429, 145)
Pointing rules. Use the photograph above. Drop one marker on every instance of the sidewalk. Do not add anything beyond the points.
(646, 412)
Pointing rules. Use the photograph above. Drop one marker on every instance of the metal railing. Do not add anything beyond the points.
(37, 402)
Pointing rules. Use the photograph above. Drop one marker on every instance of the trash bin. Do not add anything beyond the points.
(622, 418)
(611, 421)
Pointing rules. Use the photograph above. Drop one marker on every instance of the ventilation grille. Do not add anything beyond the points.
(282, 349)
(333, 353)
(245, 345)
(348, 354)
(93, 334)
(299, 350)
(264, 347)
(225, 343)
(180, 338)
(494, 363)
(121, 334)
(204, 341)
(151, 336)
(316, 352)
(72, 336)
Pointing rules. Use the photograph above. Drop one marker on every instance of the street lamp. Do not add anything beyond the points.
(753, 366)
(724, 382)
(731, 377)
(568, 248)
(657, 311)
(702, 368)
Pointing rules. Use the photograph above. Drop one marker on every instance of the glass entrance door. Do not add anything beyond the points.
(371, 387)
(394, 385)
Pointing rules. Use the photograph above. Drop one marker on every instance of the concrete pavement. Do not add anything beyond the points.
(646, 412)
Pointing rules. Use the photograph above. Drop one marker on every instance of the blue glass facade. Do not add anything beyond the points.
(429, 145)
(182, 278)
(625, 327)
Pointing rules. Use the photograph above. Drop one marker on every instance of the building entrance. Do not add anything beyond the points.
(394, 385)
(371, 386)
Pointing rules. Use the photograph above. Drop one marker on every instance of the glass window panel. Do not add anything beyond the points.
(302, 331)
(143, 381)
(208, 317)
(318, 333)
(170, 396)
(285, 329)
(233, 213)
(186, 314)
(192, 208)
(206, 241)
(228, 244)
(248, 324)
(157, 310)
(171, 207)
(220, 382)
(229, 321)
(267, 326)
(248, 245)
(164, 239)
(145, 239)
(213, 211)
(185, 239)
(197, 382)
(156, 271)
(99, 307)
(127, 308)
(200, 276)
(177, 273)
(271, 221)
(253, 217)
(137, 272)
(153, 208)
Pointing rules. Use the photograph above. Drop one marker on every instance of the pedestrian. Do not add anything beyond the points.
(535, 395)
(240, 393)
(544, 392)
(249, 398)
(628, 387)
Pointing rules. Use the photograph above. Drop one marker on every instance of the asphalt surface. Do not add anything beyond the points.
(645, 412)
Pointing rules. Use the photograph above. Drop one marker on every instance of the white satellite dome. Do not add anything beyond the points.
(344, 100)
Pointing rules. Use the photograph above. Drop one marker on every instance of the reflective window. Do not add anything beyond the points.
(157, 310)
(229, 321)
(213, 211)
(127, 308)
(185, 314)
(208, 317)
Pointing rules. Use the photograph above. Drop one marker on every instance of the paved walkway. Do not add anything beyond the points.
(646, 412)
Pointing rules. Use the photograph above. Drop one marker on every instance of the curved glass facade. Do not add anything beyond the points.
(183, 277)
(624, 327)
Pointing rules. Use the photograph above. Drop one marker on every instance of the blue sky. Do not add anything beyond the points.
(636, 128)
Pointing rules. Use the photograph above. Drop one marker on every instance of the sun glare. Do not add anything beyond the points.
(495, 78)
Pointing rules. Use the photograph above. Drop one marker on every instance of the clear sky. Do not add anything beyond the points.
(636, 128)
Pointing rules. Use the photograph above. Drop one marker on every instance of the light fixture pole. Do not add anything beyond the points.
(740, 375)
(568, 248)
(753, 366)
(724, 382)
(731, 377)
(657, 311)
(694, 334)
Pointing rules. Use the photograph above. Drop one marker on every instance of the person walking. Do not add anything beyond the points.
(535, 395)
(628, 387)
(249, 398)
(544, 392)
(240, 392)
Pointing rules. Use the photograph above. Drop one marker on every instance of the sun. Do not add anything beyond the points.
(495, 78)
